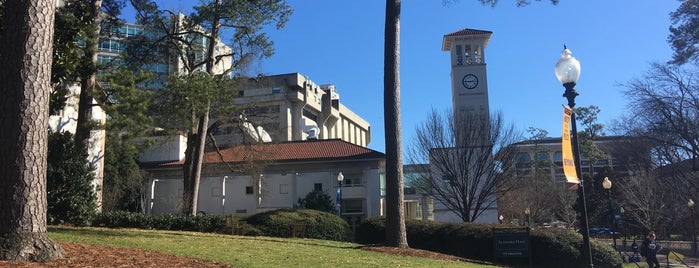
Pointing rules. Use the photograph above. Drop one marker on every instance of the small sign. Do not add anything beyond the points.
(511, 242)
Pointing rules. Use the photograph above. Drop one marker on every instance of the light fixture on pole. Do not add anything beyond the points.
(501, 218)
(690, 204)
(568, 72)
(526, 213)
(607, 185)
(340, 178)
(223, 195)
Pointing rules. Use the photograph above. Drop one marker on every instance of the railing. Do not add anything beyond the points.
(684, 247)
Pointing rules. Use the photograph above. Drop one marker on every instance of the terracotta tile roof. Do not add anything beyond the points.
(313, 150)
(468, 31)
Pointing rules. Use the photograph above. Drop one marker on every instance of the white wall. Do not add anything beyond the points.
(279, 190)
(165, 148)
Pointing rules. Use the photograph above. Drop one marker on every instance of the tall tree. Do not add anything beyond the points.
(648, 200)
(25, 61)
(470, 160)
(93, 13)
(196, 38)
(395, 214)
(129, 118)
(591, 130)
(684, 32)
(665, 106)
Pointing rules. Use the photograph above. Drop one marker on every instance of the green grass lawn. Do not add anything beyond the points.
(244, 251)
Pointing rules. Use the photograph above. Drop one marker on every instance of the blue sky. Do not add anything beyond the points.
(341, 43)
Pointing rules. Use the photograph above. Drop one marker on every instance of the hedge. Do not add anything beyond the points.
(550, 247)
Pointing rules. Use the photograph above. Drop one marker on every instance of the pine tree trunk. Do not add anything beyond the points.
(395, 219)
(88, 82)
(25, 61)
(195, 148)
(187, 171)
(198, 161)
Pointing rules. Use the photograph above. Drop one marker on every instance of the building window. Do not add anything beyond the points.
(522, 160)
(308, 114)
(542, 156)
(352, 180)
(459, 55)
(412, 210)
(558, 158)
(448, 180)
(352, 206)
(249, 190)
(317, 187)
(382, 183)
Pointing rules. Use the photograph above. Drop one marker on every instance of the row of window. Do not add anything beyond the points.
(348, 205)
(525, 158)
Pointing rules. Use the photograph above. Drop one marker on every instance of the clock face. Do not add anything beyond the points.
(470, 81)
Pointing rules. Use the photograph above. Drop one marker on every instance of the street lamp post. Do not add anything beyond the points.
(340, 178)
(690, 204)
(526, 214)
(607, 185)
(621, 224)
(568, 72)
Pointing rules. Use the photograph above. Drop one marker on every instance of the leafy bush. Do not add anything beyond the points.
(124, 219)
(70, 195)
(550, 247)
(318, 200)
(319, 225)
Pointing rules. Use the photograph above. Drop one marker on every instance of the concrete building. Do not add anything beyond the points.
(291, 107)
(275, 175)
(418, 203)
(548, 150)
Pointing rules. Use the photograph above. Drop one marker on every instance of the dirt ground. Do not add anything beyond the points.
(82, 255)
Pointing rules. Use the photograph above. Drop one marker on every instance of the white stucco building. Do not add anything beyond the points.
(274, 175)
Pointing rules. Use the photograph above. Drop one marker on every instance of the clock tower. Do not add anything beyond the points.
(469, 83)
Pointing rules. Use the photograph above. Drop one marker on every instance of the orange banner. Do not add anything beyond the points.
(567, 151)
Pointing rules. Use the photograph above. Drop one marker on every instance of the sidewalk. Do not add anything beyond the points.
(690, 261)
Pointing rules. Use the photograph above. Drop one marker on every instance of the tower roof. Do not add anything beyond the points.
(464, 34)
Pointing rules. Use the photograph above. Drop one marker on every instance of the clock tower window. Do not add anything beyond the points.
(459, 55)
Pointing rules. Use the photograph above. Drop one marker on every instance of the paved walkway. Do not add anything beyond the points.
(688, 261)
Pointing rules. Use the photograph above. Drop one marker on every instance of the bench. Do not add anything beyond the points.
(298, 228)
(234, 226)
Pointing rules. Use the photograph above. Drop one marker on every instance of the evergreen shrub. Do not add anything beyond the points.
(125, 219)
(318, 200)
(550, 247)
(319, 225)
(71, 197)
